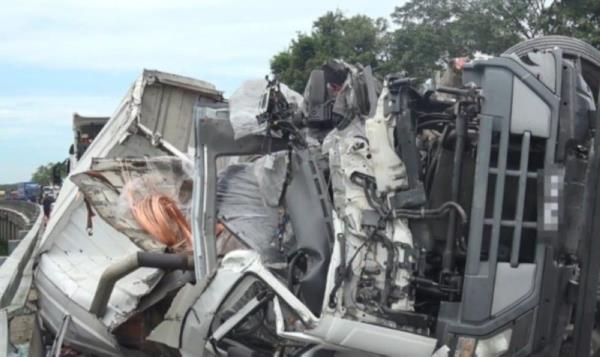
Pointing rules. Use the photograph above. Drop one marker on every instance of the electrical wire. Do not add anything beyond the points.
(160, 217)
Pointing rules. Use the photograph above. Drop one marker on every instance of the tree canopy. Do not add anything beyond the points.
(427, 33)
(357, 39)
(43, 175)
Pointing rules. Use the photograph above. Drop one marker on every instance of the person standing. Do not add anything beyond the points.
(47, 205)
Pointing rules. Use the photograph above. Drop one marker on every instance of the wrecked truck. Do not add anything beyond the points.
(365, 217)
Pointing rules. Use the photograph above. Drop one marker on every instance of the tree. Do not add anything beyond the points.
(357, 39)
(44, 174)
(577, 18)
(430, 32)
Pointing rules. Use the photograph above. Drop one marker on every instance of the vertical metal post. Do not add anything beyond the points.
(479, 195)
(499, 197)
(518, 229)
(2, 228)
(459, 147)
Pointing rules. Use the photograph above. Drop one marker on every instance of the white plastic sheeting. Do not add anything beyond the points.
(244, 106)
(111, 184)
(242, 205)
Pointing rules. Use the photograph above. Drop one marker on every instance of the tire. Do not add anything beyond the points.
(572, 49)
(589, 57)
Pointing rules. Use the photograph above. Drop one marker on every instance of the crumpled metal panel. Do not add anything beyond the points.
(70, 261)
(168, 107)
(77, 261)
(89, 336)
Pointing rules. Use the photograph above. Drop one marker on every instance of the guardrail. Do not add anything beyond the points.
(21, 224)
(16, 219)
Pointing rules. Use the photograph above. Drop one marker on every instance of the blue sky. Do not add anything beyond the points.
(64, 56)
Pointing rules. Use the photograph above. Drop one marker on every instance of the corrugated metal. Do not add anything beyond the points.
(85, 332)
(71, 262)
(168, 106)
(76, 261)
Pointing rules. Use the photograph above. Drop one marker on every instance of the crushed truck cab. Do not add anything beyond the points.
(367, 216)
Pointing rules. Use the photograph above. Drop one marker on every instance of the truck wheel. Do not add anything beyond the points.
(573, 49)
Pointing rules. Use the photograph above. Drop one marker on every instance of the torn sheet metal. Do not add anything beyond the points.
(235, 266)
(168, 107)
(71, 261)
(78, 261)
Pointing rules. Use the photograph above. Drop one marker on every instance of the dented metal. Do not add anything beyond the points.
(355, 219)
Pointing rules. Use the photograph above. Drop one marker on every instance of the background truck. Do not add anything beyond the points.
(27, 191)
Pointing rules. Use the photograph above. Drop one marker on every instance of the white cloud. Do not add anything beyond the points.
(35, 130)
(45, 116)
(185, 34)
(223, 42)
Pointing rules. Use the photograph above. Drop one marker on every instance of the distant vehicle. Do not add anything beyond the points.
(27, 191)
(51, 191)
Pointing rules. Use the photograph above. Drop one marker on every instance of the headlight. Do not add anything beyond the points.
(494, 346)
(465, 346)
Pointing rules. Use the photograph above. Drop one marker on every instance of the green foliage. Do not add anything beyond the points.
(427, 33)
(430, 32)
(357, 39)
(577, 18)
(7, 187)
(43, 175)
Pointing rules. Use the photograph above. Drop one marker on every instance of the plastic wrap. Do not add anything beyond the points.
(241, 208)
(156, 210)
(244, 106)
(270, 171)
(113, 186)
